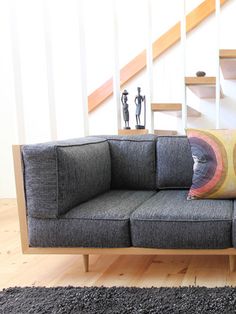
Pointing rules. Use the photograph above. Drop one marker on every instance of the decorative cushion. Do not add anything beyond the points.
(214, 155)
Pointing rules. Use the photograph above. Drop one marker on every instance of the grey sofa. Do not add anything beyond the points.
(112, 192)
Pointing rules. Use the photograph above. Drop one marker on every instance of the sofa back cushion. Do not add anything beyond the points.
(61, 175)
(133, 162)
(174, 162)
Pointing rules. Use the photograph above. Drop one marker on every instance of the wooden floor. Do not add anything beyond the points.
(61, 270)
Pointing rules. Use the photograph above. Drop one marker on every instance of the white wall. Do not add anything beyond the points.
(63, 16)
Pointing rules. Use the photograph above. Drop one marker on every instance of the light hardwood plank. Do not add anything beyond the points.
(203, 87)
(228, 63)
(132, 132)
(174, 109)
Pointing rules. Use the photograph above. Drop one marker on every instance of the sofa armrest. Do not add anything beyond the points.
(60, 175)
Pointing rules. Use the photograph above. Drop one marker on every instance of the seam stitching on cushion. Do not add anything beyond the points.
(57, 179)
(171, 136)
(129, 140)
(175, 187)
(141, 202)
(83, 144)
(157, 165)
(162, 220)
(74, 218)
(232, 231)
(24, 179)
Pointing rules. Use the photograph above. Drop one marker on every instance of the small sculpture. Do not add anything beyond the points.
(200, 73)
(139, 99)
(124, 99)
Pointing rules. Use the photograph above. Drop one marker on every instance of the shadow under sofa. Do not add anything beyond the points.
(117, 195)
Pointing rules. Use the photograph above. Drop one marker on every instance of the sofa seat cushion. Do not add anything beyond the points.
(168, 220)
(103, 221)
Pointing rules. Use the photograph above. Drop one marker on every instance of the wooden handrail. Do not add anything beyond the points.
(166, 41)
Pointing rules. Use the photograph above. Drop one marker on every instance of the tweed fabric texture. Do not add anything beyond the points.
(214, 154)
(103, 221)
(174, 162)
(133, 162)
(168, 220)
(41, 174)
(83, 172)
(234, 225)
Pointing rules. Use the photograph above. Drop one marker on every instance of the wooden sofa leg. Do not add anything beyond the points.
(86, 263)
(232, 263)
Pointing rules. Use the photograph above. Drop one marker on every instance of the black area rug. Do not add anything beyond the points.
(118, 300)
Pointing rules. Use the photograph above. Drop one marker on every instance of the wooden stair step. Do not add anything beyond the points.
(228, 63)
(203, 87)
(165, 132)
(174, 109)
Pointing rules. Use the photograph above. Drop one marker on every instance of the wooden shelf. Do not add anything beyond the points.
(228, 63)
(174, 109)
(165, 132)
(203, 87)
(132, 132)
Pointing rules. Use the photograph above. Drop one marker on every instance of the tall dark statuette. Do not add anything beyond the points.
(124, 100)
(139, 100)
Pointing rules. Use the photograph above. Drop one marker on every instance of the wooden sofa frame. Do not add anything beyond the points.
(26, 249)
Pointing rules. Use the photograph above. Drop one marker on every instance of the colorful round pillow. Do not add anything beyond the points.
(214, 170)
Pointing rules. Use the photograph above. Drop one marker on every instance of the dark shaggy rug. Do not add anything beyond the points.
(118, 300)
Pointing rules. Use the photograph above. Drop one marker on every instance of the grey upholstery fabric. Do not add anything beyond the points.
(83, 172)
(53, 185)
(234, 225)
(174, 162)
(133, 162)
(168, 220)
(100, 222)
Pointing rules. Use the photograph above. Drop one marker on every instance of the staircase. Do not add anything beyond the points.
(202, 87)
(160, 46)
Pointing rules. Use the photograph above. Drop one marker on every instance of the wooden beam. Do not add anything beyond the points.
(174, 109)
(204, 80)
(166, 107)
(162, 44)
(132, 132)
(203, 87)
(165, 132)
(20, 193)
(228, 63)
(128, 251)
(227, 53)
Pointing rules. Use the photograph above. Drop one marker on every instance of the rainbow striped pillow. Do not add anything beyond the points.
(214, 170)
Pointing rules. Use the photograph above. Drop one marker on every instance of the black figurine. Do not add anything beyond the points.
(124, 99)
(139, 99)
